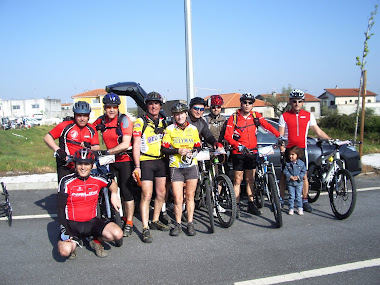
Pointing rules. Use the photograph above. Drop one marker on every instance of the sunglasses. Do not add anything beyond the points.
(247, 102)
(112, 107)
(216, 107)
(297, 101)
(201, 109)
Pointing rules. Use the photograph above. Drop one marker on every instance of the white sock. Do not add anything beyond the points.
(163, 207)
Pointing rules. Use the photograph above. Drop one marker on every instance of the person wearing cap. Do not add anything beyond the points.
(296, 123)
(195, 117)
(73, 134)
(116, 129)
(150, 166)
(179, 142)
(76, 208)
(240, 133)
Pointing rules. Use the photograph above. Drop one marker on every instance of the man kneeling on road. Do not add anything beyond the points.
(77, 199)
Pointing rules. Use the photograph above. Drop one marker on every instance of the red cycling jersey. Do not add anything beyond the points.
(71, 136)
(296, 126)
(111, 135)
(245, 129)
(78, 197)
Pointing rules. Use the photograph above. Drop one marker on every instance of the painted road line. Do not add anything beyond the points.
(25, 217)
(313, 273)
(357, 190)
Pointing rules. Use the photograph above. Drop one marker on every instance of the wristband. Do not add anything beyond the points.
(137, 166)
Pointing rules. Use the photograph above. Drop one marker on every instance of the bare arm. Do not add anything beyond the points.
(115, 200)
(124, 145)
(281, 130)
(321, 134)
(50, 142)
(136, 156)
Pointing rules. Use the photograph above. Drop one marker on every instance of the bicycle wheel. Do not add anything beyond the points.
(342, 194)
(315, 184)
(259, 192)
(117, 220)
(210, 204)
(274, 199)
(226, 206)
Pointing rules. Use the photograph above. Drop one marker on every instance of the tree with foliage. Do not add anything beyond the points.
(361, 63)
(280, 102)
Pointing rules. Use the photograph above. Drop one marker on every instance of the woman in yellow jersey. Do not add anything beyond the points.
(180, 139)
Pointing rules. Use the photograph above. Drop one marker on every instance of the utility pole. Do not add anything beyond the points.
(189, 52)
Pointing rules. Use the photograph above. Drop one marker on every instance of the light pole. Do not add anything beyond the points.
(189, 52)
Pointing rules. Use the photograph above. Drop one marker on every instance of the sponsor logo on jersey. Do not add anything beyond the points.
(91, 193)
(153, 138)
(183, 141)
(73, 134)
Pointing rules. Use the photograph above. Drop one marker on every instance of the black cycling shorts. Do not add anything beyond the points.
(304, 157)
(242, 162)
(93, 227)
(123, 173)
(152, 168)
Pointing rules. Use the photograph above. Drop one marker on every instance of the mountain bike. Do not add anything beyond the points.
(215, 190)
(5, 207)
(329, 174)
(266, 183)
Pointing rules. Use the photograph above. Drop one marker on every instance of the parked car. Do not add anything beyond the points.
(348, 153)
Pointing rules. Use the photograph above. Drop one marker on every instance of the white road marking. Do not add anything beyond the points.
(25, 217)
(313, 273)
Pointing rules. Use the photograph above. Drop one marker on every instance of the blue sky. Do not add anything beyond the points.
(58, 49)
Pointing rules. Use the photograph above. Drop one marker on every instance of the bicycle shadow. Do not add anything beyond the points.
(247, 218)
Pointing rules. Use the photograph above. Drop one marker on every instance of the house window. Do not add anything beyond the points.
(96, 100)
(350, 101)
(345, 102)
(16, 107)
(312, 109)
(332, 103)
(35, 106)
(369, 101)
(356, 101)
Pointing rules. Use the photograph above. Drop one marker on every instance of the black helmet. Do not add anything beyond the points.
(197, 100)
(179, 108)
(154, 96)
(247, 96)
(81, 107)
(111, 99)
(84, 155)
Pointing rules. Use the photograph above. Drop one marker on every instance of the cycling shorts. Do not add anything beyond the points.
(93, 227)
(304, 157)
(242, 162)
(183, 174)
(123, 173)
(152, 168)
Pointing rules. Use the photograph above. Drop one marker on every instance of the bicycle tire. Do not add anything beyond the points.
(210, 204)
(274, 199)
(107, 202)
(117, 220)
(342, 194)
(226, 200)
(315, 183)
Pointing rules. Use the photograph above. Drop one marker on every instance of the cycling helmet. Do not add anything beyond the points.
(297, 94)
(196, 101)
(81, 107)
(216, 100)
(179, 108)
(84, 155)
(247, 96)
(111, 99)
(154, 96)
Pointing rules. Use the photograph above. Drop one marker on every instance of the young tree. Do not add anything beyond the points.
(280, 102)
(361, 63)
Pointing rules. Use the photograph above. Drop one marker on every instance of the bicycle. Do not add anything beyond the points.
(5, 207)
(215, 191)
(329, 174)
(266, 183)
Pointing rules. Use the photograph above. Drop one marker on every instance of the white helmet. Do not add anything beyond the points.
(297, 94)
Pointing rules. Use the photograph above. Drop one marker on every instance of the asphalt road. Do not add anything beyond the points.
(252, 248)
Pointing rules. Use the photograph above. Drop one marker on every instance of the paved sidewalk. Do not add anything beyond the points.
(49, 180)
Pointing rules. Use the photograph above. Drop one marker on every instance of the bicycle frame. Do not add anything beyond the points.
(264, 166)
(5, 207)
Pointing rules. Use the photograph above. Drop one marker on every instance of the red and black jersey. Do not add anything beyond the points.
(245, 129)
(78, 197)
(71, 136)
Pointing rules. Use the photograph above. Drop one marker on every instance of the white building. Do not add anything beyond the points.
(345, 100)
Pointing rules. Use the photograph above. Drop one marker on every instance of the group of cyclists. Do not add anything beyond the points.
(161, 153)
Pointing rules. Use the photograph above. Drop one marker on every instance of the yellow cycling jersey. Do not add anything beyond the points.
(175, 137)
(150, 147)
